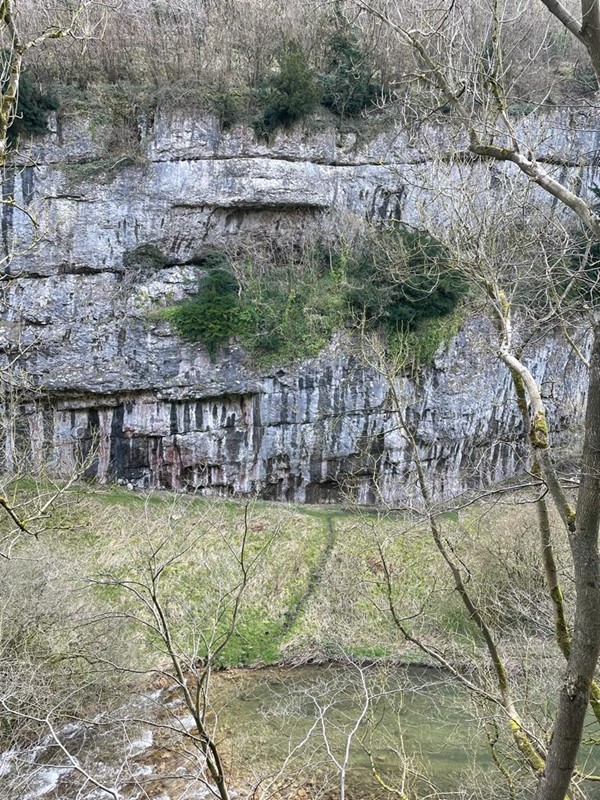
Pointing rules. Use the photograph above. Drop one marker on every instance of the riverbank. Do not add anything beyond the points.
(279, 613)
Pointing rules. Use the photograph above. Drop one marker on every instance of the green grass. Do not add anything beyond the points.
(201, 541)
(309, 594)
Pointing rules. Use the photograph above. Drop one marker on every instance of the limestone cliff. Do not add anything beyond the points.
(77, 307)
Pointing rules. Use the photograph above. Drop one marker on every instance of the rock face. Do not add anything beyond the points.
(318, 433)
(78, 306)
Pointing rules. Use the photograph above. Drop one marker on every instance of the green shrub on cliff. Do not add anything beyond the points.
(288, 306)
(146, 257)
(402, 277)
(287, 313)
(212, 316)
(294, 310)
(289, 94)
(32, 110)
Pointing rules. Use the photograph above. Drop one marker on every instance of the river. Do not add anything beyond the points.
(371, 732)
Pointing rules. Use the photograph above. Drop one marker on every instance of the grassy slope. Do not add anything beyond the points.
(316, 575)
(316, 590)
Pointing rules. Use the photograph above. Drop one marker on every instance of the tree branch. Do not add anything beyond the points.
(564, 16)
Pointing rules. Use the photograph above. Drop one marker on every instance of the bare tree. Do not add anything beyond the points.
(478, 105)
(83, 20)
(189, 638)
(585, 28)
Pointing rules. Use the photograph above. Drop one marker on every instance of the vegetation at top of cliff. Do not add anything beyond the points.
(288, 94)
(348, 83)
(285, 306)
(32, 110)
(215, 55)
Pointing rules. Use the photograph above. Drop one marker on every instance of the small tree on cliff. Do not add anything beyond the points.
(470, 81)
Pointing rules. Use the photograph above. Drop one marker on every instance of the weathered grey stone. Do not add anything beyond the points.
(158, 411)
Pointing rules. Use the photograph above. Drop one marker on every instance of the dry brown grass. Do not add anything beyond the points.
(189, 47)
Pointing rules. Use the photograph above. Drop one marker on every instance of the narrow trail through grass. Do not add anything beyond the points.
(314, 580)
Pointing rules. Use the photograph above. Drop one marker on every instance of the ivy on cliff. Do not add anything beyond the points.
(400, 281)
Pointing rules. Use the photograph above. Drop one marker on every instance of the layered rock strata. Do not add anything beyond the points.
(119, 385)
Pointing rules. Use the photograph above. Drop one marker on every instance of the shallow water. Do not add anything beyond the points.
(418, 732)
(414, 716)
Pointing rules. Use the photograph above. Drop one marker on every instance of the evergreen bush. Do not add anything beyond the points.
(32, 110)
(348, 85)
(230, 105)
(146, 257)
(289, 94)
(403, 277)
(212, 316)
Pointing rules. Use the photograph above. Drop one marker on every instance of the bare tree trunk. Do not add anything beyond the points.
(585, 645)
(529, 748)
(590, 32)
